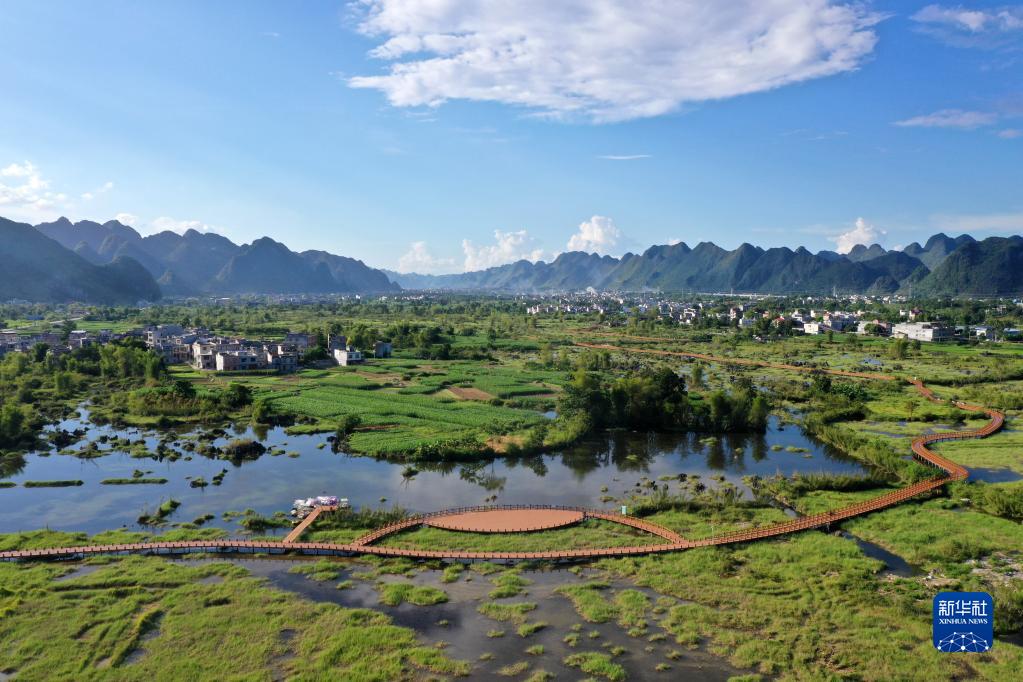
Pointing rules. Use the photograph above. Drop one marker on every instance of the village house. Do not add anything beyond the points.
(348, 356)
(239, 360)
(875, 326)
(301, 341)
(921, 331)
(204, 352)
(983, 332)
(813, 327)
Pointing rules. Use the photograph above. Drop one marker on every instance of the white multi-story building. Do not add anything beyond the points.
(348, 356)
(239, 360)
(921, 331)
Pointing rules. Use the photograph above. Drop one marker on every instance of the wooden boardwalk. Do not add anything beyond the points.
(506, 520)
(671, 541)
(297, 531)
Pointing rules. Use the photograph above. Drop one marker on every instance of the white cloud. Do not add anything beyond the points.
(106, 187)
(25, 194)
(861, 233)
(1010, 133)
(951, 118)
(991, 29)
(610, 60)
(623, 157)
(509, 247)
(164, 223)
(974, 21)
(419, 259)
(127, 219)
(599, 234)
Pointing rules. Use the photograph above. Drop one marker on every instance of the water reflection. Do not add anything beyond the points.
(587, 474)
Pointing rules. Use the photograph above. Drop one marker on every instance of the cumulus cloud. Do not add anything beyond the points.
(950, 118)
(599, 234)
(128, 219)
(26, 194)
(419, 259)
(611, 60)
(165, 223)
(862, 232)
(106, 187)
(508, 248)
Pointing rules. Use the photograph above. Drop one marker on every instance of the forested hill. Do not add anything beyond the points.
(196, 263)
(36, 268)
(111, 262)
(943, 266)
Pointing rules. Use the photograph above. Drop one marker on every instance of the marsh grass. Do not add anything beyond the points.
(527, 629)
(514, 613)
(394, 594)
(598, 664)
(757, 603)
(508, 584)
(89, 627)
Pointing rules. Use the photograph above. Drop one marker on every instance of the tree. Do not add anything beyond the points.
(696, 375)
(344, 430)
(897, 350)
(910, 406)
(66, 328)
(62, 383)
(39, 351)
(183, 389)
(758, 413)
(236, 395)
(546, 355)
(262, 412)
(15, 426)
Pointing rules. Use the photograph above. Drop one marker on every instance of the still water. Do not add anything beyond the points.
(464, 629)
(575, 476)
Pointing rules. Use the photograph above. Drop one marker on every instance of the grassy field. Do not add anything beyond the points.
(810, 606)
(410, 408)
(920, 533)
(1004, 451)
(807, 607)
(146, 618)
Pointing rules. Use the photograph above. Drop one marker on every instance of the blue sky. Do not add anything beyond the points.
(440, 136)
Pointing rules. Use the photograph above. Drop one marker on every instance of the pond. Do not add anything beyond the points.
(468, 634)
(575, 476)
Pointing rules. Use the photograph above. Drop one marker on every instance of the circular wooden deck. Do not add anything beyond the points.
(524, 518)
(506, 520)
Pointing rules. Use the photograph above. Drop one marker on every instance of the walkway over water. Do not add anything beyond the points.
(534, 517)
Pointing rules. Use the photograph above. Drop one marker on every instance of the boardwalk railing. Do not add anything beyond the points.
(364, 544)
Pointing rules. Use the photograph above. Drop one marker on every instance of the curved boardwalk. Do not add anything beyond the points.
(671, 541)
